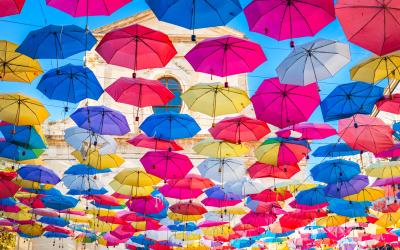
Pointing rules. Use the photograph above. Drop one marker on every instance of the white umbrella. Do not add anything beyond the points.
(81, 182)
(245, 186)
(222, 170)
(313, 62)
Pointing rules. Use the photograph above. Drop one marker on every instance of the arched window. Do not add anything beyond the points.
(175, 104)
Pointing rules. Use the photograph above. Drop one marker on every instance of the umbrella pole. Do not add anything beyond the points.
(193, 20)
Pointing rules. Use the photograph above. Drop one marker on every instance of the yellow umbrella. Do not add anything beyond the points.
(187, 236)
(19, 109)
(102, 226)
(32, 184)
(232, 210)
(384, 169)
(214, 99)
(17, 67)
(136, 177)
(388, 219)
(219, 149)
(99, 161)
(182, 217)
(367, 194)
(332, 220)
(377, 68)
(78, 219)
(32, 229)
(222, 230)
(22, 215)
(131, 190)
(101, 212)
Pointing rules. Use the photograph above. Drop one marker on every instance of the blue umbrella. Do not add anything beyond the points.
(396, 128)
(349, 99)
(25, 136)
(101, 120)
(81, 169)
(8, 202)
(190, 226)
(51, 191)
(87, 192)
(18, 153)
(81, 183)
(56, 221)
(59, 202)
(335, 170)
(70, 83)
(55, 235)
(195, 14)
(170, 126)
(335, 150)
(39, 174)
(312, 197)
(345, 188)
(56, 42)
(242, 242)
(349, 208)
(141, 240)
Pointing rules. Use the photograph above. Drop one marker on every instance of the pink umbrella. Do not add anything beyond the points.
(143, 141)
(391, 152)
(289, 19)
(258, 219)
(283, 105)
(124, 231)
(214, 202)
(225, 56)
(145, 205)
(56, 229)
(191, 181)
(166, 165)
(211, 223)
(389, 103)
(11, 7)
(309, 131)
(294, 204)
(363, 132)
(262, 170)
(77, 8)
(44, 212)
(337, 233)
(179, 193)
(387, 182)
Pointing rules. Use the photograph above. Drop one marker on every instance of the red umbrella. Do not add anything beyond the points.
(188, 208)
(112, 220)
(77, 8)
(11, 7)
(248, 230)
(136, 47)
(269, 195)
(283, 105)
(309, 131)
(363, 132)
(371, 24)
(258, 219)
(166, 165)
(106, 200)
(8, 188)
(145, 205)
(239, 129)
(179, 193)
(262, 170)
(389, 103)
(225, 56)
(300, 218)
(139, 92)
(191, 181)
(143, 141)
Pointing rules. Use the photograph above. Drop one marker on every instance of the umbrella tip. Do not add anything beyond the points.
(193, 38)
(226, 85)
(134, 75)
(291, 44)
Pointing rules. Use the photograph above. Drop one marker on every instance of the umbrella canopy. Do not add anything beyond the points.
(81, 183)
(335, 170)
(367, 194)
(313, 62)
(17, 67)
(70, 83)
(281, 151)
(146, 205)
(335, 150)
(219, 149)
(262, 170)
(350, 209)
(222, 170)
(289, 19)
(170, 126)
(214, 99)
(179, 193)
(189, 208)
(26, 136)
(11, 7)
(56, 42)
(59, 202)
(384, 169)
(244, 187)
(94, 159)
(332, 220)
(8, 188)
(366, 133)
(239, 129)
(143, 141)
(377, 19)
(38, 174)
(341, 189)
(136, 178)
(312, 197)
(258, 219)
(191, 181)
(77, 8)
(136, 47)
(389, 103)
(19, 110)
(225, 56)
(308, 131)
(349, 99)
(101, 120)
(218, 197)
(283, 105)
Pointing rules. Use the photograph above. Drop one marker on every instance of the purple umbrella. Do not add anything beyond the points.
(386, 181)
(346, 188)
(101, 120)
(39, 174)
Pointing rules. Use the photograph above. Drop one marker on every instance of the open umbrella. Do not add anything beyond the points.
(8, 188)
(59, 202)
(283, 105)
(244, 187)
(335, 170)
(308, 131)
(77, 8)
(313, 62)
(262, 170)
(219, 149)
(289, 18)
(136, 178)
(56, 42)
(136, 47)
(11, 7)
(38, 174)
(258, 219)
(376, 18)
(179, 193)
(94, 159)
(335, 150)
(218, 197)
(367, 194)
(390, 153)
(222, 170)
(341, 189)
(384, 169)
(389, 103)
(350, 209)
(312, 197)
(144, 141)
(25, 136)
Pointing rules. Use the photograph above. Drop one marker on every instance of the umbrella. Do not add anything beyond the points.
(136, 178)
(82, 184)
(375, 18)
(179, 193)
(139, 92)
(244, 187)
(313, 62)
(349, 99)
(101, 120)
(56, 42)
(390, 153)
(350, 209)
(388, 220)
(11, 7)
(78, 8)
(214, 99)
(283, 105)
(38, 174)
(258, 219)
(366, 133)
(195, 14)
(32, 230)
(189, 208)
(170, 126)
(269, 195)
(335, 170)
(308, 131)
(384, 169)
(377, 68)
(136, 47)
(94, 159)
(144, 141)
(222, 170)
(335, 150)
(70, 83)
(59, 202)
(8, 188)
(166, 165)
(346, 188)
(312, 197)
(225, 56)
(146, 205)
(332, 220)
(16, 67)
(131, 191)
(367, 194)
(218, 197)
(191, 181)
(289, 19)
(54, 221)
(219, 149)
(262, 170)
(299, 218)
(21, 110)
(389, 103)
(239, 129)
(281, 151)
(26, 136)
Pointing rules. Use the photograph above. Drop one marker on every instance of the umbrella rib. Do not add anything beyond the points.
(283, 17)
(303, 17)
(367, 23)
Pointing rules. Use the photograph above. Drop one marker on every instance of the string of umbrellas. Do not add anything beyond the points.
(224, 202)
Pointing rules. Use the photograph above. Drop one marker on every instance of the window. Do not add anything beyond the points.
(175, 104)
